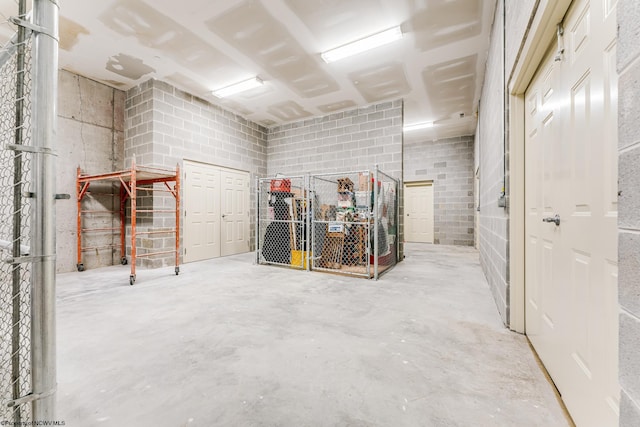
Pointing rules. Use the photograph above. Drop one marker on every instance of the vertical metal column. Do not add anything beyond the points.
(307, 219)
(134, 209)
(257, 221)
(177, 196)
(376, 218)
(43, 248)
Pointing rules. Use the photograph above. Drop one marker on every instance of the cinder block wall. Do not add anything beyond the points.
(348, 141)
(493, 221)
(352, 140)
(166, 126)
(449, 164)
(90, 135)
(629, 209)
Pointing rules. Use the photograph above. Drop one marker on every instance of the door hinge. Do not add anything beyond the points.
(559, 33)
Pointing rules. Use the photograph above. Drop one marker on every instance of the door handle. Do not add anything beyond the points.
(223, 216)
(555, 219)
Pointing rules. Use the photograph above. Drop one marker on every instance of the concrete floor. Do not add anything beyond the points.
(229, 343)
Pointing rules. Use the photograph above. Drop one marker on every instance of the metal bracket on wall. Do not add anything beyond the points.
(31, 149)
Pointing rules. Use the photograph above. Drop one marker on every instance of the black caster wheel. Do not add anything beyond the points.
(80, 267)
(124, 261)
(177, 270)
(132, 280)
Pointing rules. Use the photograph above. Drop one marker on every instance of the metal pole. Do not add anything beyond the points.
(376, 249)
(17, 214)
(43, 279)
(307, 218)
(257, 243)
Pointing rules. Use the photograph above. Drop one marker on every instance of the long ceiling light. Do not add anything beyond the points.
(417, 126)
(238, 87)
(359, 46)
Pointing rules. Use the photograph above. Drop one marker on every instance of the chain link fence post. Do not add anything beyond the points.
(45, 88)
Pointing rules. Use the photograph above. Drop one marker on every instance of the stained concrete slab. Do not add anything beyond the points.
(230, 343)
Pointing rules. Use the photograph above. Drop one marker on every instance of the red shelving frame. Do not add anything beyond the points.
(130, 181)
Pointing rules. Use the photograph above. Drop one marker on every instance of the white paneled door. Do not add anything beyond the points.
(235, 212)
(418, 212)
(571, 214)
(216, 211)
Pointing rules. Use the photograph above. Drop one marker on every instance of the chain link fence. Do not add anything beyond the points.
(15, 219)
(386, 214)
(342, 223)
(283, 205)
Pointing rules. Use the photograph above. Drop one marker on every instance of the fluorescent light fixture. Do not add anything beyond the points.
(238, 87)
(418, 126)
(359, 46)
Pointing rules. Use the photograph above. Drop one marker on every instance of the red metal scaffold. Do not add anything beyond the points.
(131, 181)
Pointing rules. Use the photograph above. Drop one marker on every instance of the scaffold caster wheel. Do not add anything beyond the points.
(124, 261)
(132, 280)
(80, 267)
(177, 270)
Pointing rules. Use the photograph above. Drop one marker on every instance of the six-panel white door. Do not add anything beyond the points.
(202, 212)
(571, 172)
(235, 212)
(418, 213)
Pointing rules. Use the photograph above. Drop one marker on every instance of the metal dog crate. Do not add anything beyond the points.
(339, 222)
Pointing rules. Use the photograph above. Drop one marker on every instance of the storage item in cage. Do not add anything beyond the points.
(336, 227)
(344, 185)
(277, 244)
(363, 199)
(345, 203)
(280, 209)
(327, 213)
(299, 258)
(281, 185)
(299, 193)
(345, 214)
(346, 195)
(332, 251)
(365, 181)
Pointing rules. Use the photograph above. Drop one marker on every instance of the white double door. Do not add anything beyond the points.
(216, 211)
(571, 214)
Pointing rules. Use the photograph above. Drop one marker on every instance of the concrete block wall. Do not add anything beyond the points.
(166, 126)
(90, 135)
(448, 163)
(348, 141)
(493, 221)
(352, 140)
(629, 209)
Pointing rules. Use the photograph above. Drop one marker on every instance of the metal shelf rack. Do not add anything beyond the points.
(131, 182)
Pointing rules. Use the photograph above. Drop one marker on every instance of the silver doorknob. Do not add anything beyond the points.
(224, 216)
(555, 219)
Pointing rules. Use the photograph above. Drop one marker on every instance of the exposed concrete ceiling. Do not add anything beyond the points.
(202, 45)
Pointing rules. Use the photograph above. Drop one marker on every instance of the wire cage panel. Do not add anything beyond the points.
(282, 229)
(354, 222)
(342, 222)
(387, 227)
(16, 211)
